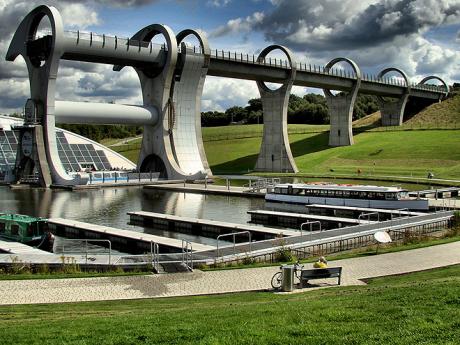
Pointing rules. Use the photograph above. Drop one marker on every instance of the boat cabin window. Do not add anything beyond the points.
(390, 196)
(15, 229)
(2, 227)
(30, 230)
(282, 190)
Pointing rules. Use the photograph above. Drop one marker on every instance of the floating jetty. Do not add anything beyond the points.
(124, 240)
(205, 227)
(439, 193)
(384, 214)
(206, 189)
(294, 220)
(8, 247)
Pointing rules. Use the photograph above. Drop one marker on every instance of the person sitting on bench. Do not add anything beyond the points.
(321, 263)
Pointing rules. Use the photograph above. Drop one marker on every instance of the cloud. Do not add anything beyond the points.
(218, 3)
(349, 24)
(238, 25)
(113, 3)
(222, 93)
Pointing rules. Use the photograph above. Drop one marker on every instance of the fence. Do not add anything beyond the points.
(399, 229)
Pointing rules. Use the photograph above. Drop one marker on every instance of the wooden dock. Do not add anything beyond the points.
(123, 240)
(205, 227)
(294, 220)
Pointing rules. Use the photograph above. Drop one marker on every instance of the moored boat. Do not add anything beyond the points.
(346, 195)
(24, 229)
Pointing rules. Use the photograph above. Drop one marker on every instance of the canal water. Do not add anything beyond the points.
(109, 206)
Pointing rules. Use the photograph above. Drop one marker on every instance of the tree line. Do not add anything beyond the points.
(309, 109)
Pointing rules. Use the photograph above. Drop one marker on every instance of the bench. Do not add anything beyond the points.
(320, 273)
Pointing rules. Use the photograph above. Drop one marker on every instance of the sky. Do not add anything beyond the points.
(421, 37)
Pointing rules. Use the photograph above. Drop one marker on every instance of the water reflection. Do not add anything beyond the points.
(109, 206)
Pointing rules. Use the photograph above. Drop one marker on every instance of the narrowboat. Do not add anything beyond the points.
(24, 229)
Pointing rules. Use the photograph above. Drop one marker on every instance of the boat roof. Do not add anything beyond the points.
(347, 187)
(20, 218)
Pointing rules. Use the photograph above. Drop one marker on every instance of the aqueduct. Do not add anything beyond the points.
(172, 78)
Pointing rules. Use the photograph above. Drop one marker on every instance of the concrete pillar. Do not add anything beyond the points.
(188, 89)
(393, 111)
(39, 110)
(341, 108)
(174, 146)
(275, 153)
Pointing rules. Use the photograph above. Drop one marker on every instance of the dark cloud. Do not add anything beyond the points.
(113, 3)
(330, 25)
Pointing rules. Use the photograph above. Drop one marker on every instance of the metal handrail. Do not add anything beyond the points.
(233, 56)
(146, 258)
(399, 210)
(368, 215)
(155, 256)
(86, 246)
(311, 223)
(187, 254)
(233, 234)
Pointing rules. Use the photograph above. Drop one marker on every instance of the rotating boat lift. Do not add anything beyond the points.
(172, 79)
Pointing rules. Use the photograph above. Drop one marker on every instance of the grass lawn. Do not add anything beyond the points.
(234, 149)
(419, 308)
(406, 153)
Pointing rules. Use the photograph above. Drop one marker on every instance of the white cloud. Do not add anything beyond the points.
(218, 3)
(79, 16)
(238, 25)
(227, 92)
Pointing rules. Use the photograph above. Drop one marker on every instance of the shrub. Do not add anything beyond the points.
(283, 254)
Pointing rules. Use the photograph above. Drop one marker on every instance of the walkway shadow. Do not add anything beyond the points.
(241, 165)
(316, 143)
(302, 147)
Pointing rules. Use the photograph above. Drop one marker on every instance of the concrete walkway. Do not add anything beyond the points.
(198, 283)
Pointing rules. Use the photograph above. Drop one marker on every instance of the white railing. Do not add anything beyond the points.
(248, 58)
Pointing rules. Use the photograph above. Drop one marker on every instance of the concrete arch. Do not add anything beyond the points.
(353, 64)
(42, 89)
(433, 77)
(397, 70)
(341, 107)
(290, 57)
(188, 89)
(393, 112)
(204, 44)
(275, 152)
(146, 34)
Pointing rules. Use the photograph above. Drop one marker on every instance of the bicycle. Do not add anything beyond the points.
(277, 278)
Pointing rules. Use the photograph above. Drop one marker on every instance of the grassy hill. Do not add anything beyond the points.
(446, 114)
(408, 153)
(429, 141)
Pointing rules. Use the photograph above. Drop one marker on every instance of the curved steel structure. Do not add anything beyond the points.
(275, 152)
(42, 76)
(341, 107)
(172, 80)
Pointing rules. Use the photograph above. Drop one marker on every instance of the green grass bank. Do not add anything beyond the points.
(418, 308)
(410, 153)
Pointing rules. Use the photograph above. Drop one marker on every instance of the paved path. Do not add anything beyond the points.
(197, 283)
